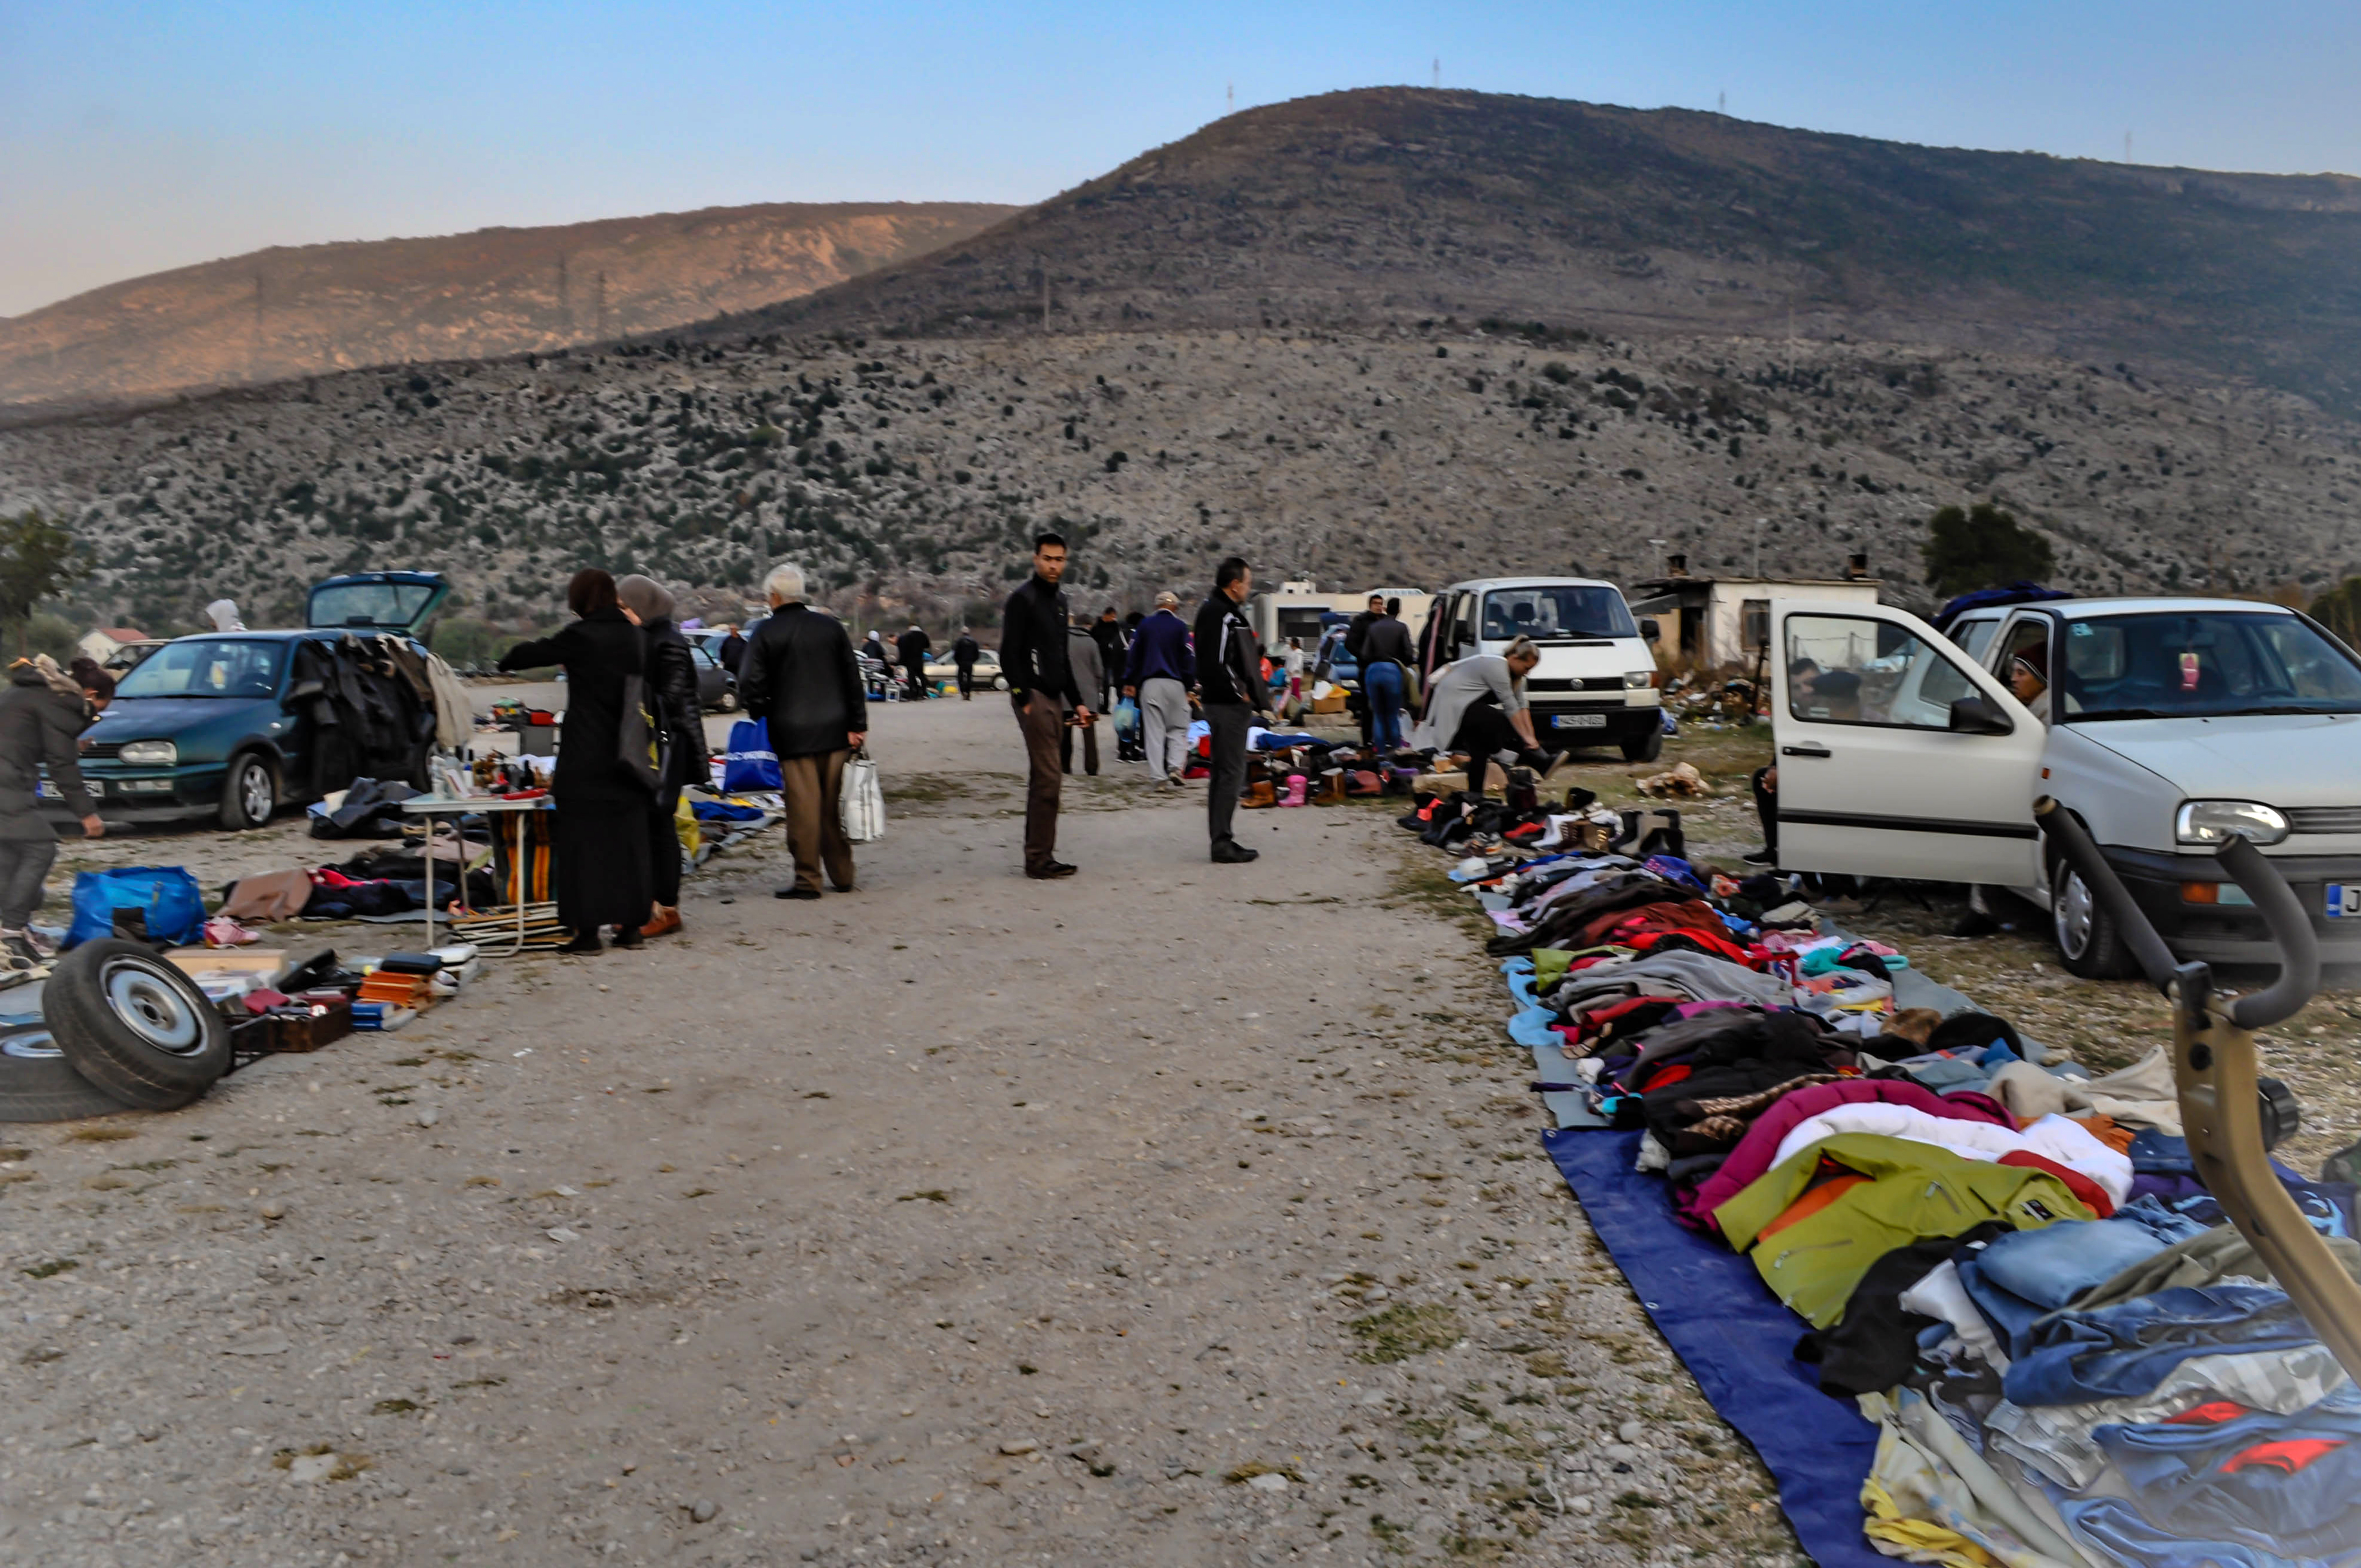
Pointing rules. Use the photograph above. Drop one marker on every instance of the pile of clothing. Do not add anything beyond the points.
(2008, 1263)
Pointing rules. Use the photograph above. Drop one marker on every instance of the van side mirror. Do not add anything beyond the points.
(1650, 632)
(1974, 715)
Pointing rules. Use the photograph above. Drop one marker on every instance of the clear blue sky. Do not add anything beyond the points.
(140, 136)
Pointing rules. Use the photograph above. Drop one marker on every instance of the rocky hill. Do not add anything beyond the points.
(285, 312)
(905, 453)
(1381, 207)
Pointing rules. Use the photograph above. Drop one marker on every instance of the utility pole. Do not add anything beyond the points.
(1438, 72)
(1234, 98)
(1758, 547)
(2127, 147)
(1721, 102)
(1045, 291)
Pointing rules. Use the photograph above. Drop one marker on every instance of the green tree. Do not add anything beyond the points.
(2339, 609)
(1983, 547)
(37, 561)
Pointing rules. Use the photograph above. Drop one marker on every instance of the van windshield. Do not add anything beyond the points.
(1556, 614)
(206, 666)
(2202, 665)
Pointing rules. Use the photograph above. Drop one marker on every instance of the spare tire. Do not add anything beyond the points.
(37, 1084)
(134, 1025)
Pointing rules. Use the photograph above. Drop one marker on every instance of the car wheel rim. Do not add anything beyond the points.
(31, 1045)
(254, 792)
(153, 1008)
(2072, 915)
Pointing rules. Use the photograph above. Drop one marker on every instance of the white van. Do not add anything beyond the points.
(2173, 724)
(1596, 684)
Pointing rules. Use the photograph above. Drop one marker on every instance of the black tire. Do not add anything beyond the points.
(729, 703)
(1648, 748)
(37, 1084)
(420, 776)
(134, 1025)
(249, 792)
(2090, 944)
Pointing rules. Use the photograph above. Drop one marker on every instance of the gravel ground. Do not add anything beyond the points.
(1176, 1213)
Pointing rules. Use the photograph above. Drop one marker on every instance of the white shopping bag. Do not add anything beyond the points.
(863, 800)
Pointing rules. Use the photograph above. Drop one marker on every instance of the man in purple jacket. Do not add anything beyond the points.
(1162, 673)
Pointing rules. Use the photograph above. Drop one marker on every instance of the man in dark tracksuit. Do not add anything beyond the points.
(1040, 685)
(42, 715)
(963, 652)
(1230, 684)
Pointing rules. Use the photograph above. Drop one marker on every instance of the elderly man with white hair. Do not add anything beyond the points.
(800, 676)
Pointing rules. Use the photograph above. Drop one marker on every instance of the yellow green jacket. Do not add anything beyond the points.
(1913, 1191)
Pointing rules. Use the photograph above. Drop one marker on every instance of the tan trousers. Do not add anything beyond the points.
(815, 823)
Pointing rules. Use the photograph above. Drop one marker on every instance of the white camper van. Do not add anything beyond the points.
(1596, 684)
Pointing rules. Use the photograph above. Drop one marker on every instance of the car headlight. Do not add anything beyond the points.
(2218, 821)
(149, 754)
(1635, 680)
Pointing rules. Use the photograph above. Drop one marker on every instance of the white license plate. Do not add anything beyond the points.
(2343, 900)
(49, 791)
(1579, 722)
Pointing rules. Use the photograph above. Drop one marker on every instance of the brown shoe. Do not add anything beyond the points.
(667, 919)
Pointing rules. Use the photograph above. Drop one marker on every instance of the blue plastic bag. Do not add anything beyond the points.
(750, 763)
(1126, 719)
(167, 898)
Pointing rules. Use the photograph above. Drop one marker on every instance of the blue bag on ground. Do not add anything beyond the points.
(167, 898)
(1126, 719)
(750, 763)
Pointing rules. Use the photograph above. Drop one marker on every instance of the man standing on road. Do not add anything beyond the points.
(731, 650)
(1040, 683)
(801, 676)
(1356, 634)
(964, 648)
(914, 648)
(1089, 676)
(1229, 678)
(1162, 670)
(1108, 635)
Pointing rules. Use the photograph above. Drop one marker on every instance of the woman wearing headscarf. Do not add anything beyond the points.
(680, 734)
(600, 835)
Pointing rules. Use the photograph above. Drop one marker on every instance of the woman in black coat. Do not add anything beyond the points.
(680, 726)
(600, 836)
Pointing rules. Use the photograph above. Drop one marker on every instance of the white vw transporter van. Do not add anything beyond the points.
(2171, 724)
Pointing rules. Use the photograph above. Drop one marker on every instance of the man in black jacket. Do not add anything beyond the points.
(964, 652)
(1040, 685)
(914, 646)
(1357, 632)
(801, 677)
(1230, 686)
(1107, 632)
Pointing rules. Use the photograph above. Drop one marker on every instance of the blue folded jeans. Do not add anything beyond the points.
(2270, 1479)
(2052, 1265)
(2127, 1349)
(2113, 1532)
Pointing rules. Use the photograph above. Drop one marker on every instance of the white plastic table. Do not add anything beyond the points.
(432, 805)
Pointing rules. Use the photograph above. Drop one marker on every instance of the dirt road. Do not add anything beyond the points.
(1176, 1213)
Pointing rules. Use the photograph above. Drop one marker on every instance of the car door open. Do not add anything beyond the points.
(1898, 757)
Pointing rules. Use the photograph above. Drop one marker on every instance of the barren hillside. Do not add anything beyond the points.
(1397, 335)
(1364, 209)
(914, 470)
(300, 312)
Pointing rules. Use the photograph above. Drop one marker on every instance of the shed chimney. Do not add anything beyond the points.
(1676, 566)
(1856, 567)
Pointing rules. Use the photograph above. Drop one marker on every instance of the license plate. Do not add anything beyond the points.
(49, 791)
(2343, 899)
(1579, 722)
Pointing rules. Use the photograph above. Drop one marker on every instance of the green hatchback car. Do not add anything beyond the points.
(234, 725)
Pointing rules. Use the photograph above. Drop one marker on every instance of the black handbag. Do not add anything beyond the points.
(638, 738)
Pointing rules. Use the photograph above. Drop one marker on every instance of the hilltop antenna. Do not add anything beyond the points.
(1438, 72)
(1721, 102)
(2127, 147)
(1234, 98)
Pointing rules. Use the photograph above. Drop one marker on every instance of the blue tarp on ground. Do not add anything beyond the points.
(1737, 1340)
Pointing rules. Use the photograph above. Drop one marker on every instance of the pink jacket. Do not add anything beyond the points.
(1752, 1156)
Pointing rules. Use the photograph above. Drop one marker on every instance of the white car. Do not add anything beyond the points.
(1596, 684)
(2173, 724)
